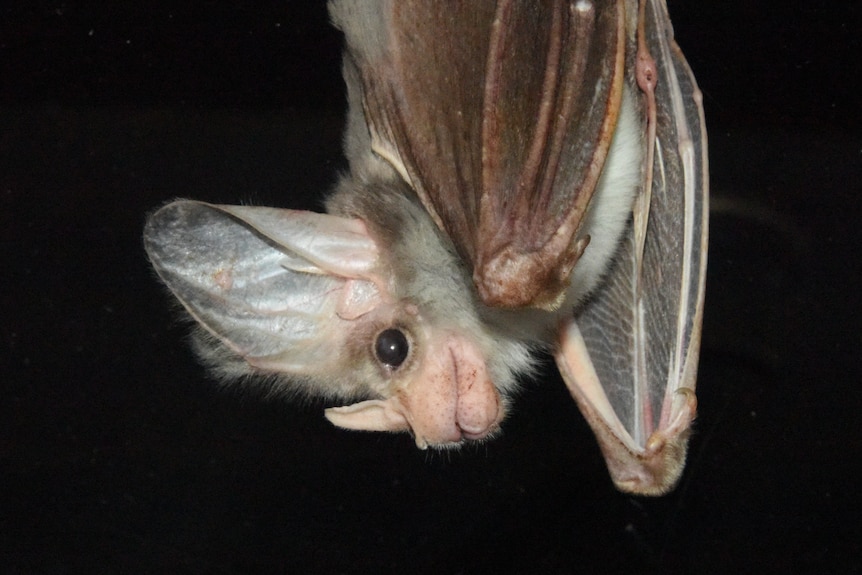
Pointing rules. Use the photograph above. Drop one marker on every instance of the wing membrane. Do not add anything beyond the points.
(631, 360)
(499, 116)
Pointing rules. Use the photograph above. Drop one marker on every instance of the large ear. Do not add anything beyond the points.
(630, 357)
(276, 287)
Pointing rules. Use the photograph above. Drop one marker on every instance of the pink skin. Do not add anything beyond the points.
(451, 398)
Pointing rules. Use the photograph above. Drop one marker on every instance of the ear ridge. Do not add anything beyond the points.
(279, 288)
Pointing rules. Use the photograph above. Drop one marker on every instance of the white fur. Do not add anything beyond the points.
(611, 205)
(606, 220)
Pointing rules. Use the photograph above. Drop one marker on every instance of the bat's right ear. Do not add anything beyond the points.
(277, 287)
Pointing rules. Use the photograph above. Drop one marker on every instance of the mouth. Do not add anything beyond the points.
(466, 438)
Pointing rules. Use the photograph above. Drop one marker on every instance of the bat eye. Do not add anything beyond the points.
(391, 347)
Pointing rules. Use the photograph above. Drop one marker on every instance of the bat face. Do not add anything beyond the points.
(536, 180)
(378, 308)
(433, 351)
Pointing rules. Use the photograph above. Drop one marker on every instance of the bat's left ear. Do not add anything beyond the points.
(277, 287)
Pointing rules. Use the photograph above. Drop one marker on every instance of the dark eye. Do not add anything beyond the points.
(391, 347)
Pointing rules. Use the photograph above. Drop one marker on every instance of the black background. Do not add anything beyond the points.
(119, 455)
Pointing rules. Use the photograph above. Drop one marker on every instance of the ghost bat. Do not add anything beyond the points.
(522, 176)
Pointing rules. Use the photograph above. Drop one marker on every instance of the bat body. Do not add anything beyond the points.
(522, 176)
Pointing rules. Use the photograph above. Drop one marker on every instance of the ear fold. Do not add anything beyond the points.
(275, 286)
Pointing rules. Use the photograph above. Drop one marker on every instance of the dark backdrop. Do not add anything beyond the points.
(119, 455)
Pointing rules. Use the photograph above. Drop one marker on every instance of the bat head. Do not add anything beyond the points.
(367, 303)
(438, 360)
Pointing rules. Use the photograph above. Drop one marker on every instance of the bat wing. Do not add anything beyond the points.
(630, 356)
(499, 115)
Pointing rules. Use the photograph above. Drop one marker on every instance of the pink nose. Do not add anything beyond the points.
(453, 398)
